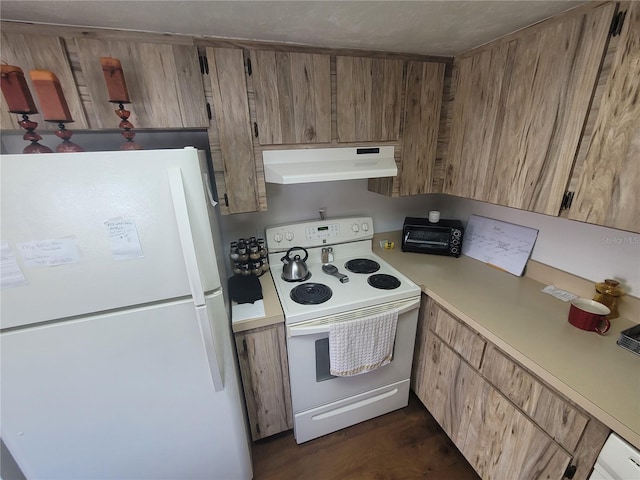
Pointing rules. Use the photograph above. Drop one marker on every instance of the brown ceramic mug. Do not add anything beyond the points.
(589, 315)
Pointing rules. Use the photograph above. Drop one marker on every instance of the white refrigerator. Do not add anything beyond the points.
(116, 347)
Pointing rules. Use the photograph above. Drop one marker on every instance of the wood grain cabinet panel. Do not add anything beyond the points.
(520, 111)
(423, 100)
(293, 97)
(163, 80)
(368, 92)
(609, 180)
(264, 370)
(461, 339)
(231, 109)
(502, 443)
(40, 52)
(556, 416)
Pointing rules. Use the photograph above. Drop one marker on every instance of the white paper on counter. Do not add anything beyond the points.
(49, 253)
(10, 272)
(123, 239)
(245, 311)
(500, 244)
(559, 294)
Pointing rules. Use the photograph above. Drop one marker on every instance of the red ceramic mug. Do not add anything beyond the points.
(589, 315)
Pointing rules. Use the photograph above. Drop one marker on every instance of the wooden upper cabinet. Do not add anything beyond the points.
(423, 99)
(39, 52)
(292, 96)
(519, 112)
(164, 83)
(609, 180)
(368, 106)
(231, 109)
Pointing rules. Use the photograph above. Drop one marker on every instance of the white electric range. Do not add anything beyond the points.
(323, 403)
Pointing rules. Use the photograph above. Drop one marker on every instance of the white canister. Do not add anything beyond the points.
(434, 216)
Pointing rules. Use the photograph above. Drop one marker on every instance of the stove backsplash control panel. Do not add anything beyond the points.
(319, 233)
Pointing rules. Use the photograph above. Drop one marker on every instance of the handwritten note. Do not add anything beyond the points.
(10, 272)
(123, 239)
(49, 253)
(500, 244)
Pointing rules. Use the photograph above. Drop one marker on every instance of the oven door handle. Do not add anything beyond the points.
(322, 325)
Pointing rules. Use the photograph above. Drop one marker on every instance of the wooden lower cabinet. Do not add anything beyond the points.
(262, 355)
(506, 422)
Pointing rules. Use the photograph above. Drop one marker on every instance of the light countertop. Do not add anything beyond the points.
(532, 327)
(272, 309)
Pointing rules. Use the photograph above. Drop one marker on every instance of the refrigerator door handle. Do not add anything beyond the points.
(210, 347)
(186, 236)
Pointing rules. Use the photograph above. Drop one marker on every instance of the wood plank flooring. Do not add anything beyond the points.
(405, 444)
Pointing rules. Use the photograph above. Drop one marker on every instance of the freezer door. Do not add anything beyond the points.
(123, 396)
(92, 232)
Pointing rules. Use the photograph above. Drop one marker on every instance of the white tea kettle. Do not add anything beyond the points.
(294, 269)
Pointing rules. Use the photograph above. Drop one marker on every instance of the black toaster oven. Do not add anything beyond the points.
(441, 238)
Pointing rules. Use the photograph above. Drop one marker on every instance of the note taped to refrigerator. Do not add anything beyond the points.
(503, 245)
(49, 253)
(11, 273)
(123, 238)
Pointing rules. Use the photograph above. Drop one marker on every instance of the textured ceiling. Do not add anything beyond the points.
(424, 27)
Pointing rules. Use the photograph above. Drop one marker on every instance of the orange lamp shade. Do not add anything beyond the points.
(16, 91)
(52, 102)
(114, 76)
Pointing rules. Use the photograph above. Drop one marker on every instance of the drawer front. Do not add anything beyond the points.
(468, 344)
(553, 414)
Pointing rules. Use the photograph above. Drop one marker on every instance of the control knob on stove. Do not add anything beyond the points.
(355, 227)
(365, 227)
(289, 236)
(277, 237)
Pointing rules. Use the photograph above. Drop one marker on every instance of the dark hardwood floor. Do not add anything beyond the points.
(405, 444)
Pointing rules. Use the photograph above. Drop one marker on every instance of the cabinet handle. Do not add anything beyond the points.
(617, 23)
(255, 129)
(249, 68)
(570, 472)
(567, 200)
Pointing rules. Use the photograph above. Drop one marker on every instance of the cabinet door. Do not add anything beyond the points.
(293, 97)
(39, 52)
(164, 83)
(265, 377)
(535, 91)
(231, 107)
(555, 415)
(368, 99)
(423, 99)
(502, 443)
(607, 190)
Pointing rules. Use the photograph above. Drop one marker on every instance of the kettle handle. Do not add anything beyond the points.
(306, 254)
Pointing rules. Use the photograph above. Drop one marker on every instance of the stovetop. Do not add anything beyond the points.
(354, 294)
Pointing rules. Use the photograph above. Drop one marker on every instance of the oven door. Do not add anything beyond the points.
(308, 350)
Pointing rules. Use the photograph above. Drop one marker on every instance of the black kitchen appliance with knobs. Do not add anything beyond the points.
(441, 238)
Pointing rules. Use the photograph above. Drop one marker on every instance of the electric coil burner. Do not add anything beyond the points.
(362, 265)
(311, 294)
(383, 281)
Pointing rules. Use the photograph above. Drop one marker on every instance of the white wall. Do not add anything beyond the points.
(588, 251)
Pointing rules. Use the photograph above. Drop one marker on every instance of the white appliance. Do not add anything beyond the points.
(323, 403)
(117, 360)
(328, 164)
(617, 461)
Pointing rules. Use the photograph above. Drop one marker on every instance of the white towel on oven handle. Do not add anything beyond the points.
(362, 345)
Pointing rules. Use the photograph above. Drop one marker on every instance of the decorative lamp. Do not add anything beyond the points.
(54, 107)
(16, 93)
(117, 89)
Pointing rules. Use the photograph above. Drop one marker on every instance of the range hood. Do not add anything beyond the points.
(328, 164)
